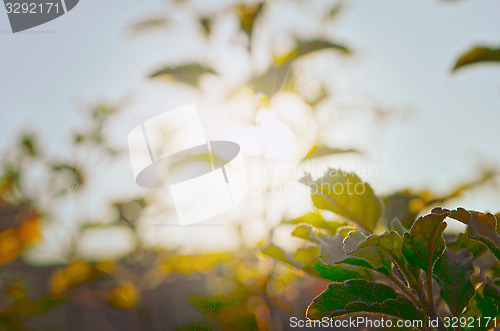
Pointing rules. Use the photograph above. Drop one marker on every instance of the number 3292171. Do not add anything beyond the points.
(32, 8)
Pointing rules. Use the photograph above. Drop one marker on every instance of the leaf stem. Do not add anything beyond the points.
(406, 291)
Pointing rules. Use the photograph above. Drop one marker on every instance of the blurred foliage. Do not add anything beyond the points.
(374, 252)
(479, 54)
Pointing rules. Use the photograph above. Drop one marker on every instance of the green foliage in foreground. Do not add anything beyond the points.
(407, 274)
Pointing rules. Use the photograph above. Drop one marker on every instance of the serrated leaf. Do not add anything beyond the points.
(474, 247)
(346, 195)
(319, 151)
(481, 306)
(478, 55)
(377, 251)
(452, 272)
(316, 268)
(425, 243)
(481, 227)
(371, 258)
(352, 241)
(331, 247)
(316, 220)
(186, 73)
(398, 227)
(357, 296)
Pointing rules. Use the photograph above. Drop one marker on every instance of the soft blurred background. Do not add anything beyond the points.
(394, 91)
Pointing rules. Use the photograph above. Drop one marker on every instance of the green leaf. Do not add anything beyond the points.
(477, 55)
(452, 272)
(315, 219)
(425, 243)
(357, 296)
(371, 258)
(316, 268)
(331, 247)
(481, 306)
(319, 151)
(346, 195)
(187, 73)
(481, 227)
(474, 247)
(377, 251)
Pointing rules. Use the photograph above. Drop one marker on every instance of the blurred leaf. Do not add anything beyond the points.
(452, 272)
(195, 326)
(149, 24)
(124, 296)
(186, 264)
(304, 232)
(186, 73)
(335, 11)
(477, 55)
(356, 296)
(346, 195)
(28, 145)
(235, 310)
(331, 247)
(206, 23)
(319, 151)
(307, 46)
(425, 243)
(272, 80)
(248, 14)
(75, 175)
(315, 267)
(315, 219)
(474, 247)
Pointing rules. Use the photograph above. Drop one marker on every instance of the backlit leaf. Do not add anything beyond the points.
(317, 268)
(452, 272)
(346, 195)
(425, 243)
(481, 305)
(316, 220)
(481, 227)
(356, 296)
